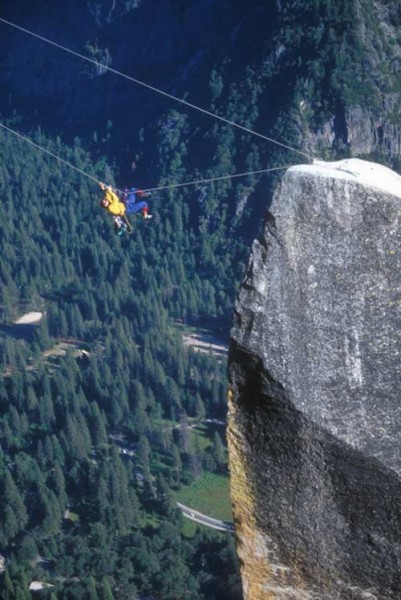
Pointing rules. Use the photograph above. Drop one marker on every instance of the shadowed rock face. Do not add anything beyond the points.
(315, 417)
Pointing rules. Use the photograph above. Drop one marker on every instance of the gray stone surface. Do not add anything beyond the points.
(315, 371)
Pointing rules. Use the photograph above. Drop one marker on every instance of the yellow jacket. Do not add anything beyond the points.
(116, 207)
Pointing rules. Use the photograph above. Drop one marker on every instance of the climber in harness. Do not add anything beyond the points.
(121, 226)
(120, 207)
(132, 204)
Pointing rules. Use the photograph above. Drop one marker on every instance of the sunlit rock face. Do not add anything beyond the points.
(315, 395)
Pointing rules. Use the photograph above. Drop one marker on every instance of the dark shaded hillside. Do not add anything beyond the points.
(320, 74)
(172, 46)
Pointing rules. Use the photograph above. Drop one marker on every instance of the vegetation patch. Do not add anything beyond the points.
(203, 433)
(209, 494)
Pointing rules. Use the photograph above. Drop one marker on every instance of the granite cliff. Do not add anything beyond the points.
(315, 418)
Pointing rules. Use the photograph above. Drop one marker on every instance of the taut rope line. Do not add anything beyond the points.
(155, 89)
(165, 187)
(26, 139)
(199, 181)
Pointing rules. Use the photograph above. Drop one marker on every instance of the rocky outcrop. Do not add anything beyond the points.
(360, 130)
(315, 414)
(365, 115)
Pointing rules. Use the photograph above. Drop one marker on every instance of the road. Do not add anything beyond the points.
(198, 517)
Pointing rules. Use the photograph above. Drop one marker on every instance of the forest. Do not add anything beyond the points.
(101, 404)
(95, 442)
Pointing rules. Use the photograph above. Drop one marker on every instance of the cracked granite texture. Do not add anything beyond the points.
(315, 402)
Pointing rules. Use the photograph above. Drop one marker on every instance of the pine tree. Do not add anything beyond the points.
(91, 589)
(185, 440)
(98, 428)
(200, 410)
(219, 453)
(22, 594)
(28, 549)
(144, 452)
(165, 501)
(8, 592)
(16, 516)
(176, 468)
(107, 594)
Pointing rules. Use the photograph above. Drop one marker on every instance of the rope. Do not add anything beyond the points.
(165, 187)
(155, 89)
(176, 185)
(129, 226)
(26, 139)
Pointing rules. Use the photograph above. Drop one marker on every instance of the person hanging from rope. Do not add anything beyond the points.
(118, 208)
(133, 206)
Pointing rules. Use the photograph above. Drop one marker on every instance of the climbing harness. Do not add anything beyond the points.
(122, 225)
